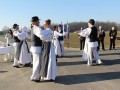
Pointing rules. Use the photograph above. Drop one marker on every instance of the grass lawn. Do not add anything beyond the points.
(74, 40)
(2, 35)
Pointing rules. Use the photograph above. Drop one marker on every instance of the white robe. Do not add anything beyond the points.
(85, 51)
(57, 43)
(25, 56)
(15, 44)
(46, 36)
(85, 33)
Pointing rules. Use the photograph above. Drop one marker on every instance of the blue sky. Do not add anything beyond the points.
(21, 11)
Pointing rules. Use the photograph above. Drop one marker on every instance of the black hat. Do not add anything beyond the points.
(59, 25)
(91, 21)
(15, 25)
(35, 18)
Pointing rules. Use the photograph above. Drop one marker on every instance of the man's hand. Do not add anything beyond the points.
(77, 31)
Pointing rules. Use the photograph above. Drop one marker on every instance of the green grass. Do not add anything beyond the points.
(75, 43)
(2, 35)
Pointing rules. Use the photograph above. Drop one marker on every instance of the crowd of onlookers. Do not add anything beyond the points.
(101, 38)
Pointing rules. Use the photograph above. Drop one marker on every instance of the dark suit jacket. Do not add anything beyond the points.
(113, 34)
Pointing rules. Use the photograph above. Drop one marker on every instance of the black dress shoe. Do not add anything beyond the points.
(104, 50)
(16, 66)
(49, 80)
(52, 80)
(27, 65)
(35, 80)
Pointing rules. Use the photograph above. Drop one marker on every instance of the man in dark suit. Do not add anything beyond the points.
(82, 41)
(101, 36)
(112, 34)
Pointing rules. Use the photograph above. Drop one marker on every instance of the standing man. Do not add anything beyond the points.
(92, 33)
(112, 34)
(16, 45)
(101, 36)
(82, 41)
(61, 40)
(36, 49)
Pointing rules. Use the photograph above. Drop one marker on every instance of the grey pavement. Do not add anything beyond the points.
(74, 74)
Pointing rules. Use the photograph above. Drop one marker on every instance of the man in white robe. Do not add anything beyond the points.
(92, 34)
(61, 40)
(16, 44)
(36, 49)
(48, 67)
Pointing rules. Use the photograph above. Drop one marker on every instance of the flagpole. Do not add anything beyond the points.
(68, 35)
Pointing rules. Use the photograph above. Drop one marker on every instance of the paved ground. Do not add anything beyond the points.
(74, 74)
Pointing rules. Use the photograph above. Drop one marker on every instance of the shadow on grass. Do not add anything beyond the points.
(87, 78)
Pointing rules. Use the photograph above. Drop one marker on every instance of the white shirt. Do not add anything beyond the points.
(56, 34)
(23, 36)
(36, 49)
(85, 33)
(15, 33)
(62, 33)
(44, 35)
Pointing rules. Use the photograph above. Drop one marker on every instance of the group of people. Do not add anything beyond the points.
(101, 38)
(46, 46)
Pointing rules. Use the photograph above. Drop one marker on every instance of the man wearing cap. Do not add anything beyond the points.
(16, 44)
(36, 49)
(92, 33)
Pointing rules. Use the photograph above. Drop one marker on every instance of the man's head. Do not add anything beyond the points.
(55, 28)
(81, 28)
(59, 27)
(100, 27)
(16, 26)
(91, 22)
(113, 28)
(35, 21)
(47, 23)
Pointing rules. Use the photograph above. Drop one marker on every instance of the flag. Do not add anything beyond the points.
(63, 28)
(68, 31)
